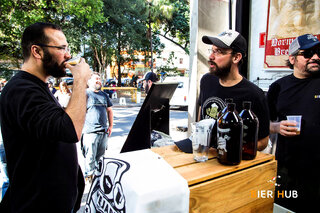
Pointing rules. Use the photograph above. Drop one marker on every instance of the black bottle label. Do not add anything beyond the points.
(230, 144)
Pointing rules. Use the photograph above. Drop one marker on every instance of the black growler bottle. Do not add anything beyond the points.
(224, 110)
(250, 132)
(230, 137)
(214, 138)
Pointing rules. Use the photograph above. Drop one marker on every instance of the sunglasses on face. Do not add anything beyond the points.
(307, 54)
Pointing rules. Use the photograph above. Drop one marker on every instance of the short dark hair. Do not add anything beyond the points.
(34, 34)
(288, 63)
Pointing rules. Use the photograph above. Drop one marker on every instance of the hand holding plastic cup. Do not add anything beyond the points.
(297, 119)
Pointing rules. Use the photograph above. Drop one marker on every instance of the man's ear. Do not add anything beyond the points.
(292, 59)
(36, 51)
(237, 58)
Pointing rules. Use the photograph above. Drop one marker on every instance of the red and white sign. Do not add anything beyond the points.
(286, 21)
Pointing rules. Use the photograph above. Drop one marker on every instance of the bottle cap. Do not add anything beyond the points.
(231, 106)
(246, 104)
(228, 100)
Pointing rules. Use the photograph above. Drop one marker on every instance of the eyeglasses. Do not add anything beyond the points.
(218, 52)
(307, 54)
(65, 48)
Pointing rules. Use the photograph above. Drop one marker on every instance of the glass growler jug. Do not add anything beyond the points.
(250, 132)
(230, 133)
(214, 138)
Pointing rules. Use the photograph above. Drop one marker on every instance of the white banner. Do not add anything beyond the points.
(137, 182)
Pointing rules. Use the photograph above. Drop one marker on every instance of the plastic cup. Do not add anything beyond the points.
(297, 119)
(201, 137)
(74, 61)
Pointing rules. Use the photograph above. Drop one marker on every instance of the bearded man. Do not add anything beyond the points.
(224, 82)
(96, 129)
(38, 135)
(297, 153)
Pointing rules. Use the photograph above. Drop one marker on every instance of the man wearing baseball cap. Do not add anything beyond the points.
(224, 81)
(148, 79)
(298, 153)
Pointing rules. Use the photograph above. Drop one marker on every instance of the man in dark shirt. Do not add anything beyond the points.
(298, 154)
(148, 80)
(224, 81)
(39, 136)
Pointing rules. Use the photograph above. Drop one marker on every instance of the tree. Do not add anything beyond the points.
(16, 15)
(126, 28)
(172, 22)
(102, 29)
(99, 49)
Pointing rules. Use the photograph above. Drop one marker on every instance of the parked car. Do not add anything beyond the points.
(180, 96)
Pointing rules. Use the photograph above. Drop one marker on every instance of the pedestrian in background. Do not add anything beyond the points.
(38, 135)
(63, 94)
(51, 87)
(298, 154)
(98, 125)
(148, 80)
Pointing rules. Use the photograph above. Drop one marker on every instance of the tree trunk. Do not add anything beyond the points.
(119, 59)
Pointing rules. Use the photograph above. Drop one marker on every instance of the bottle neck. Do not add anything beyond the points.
(247, 105)
(231, 107)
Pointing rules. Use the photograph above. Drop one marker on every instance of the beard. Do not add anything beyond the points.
(313, 72)
(146, 90)
(220, 72)
(94, 86)
(97, 86)
(52, 67)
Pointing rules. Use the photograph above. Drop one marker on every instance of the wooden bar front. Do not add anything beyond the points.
(247, 187)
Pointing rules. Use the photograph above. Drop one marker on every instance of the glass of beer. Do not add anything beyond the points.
(74, 61)
(297, 119)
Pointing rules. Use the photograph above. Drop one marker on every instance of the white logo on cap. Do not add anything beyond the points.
(312, 37)
(225, 33)
(228, 37)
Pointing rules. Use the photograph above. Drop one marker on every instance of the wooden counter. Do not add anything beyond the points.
(218, 188)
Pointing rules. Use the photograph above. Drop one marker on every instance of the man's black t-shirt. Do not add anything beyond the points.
(39, 139)
(212, 100)
(298, 156)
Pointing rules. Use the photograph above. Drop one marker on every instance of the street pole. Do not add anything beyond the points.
(150, 33)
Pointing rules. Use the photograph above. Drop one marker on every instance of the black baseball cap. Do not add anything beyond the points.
(150, 76)
(228, 39)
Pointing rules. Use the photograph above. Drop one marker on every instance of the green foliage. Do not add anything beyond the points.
(16, 15)
(101, 29)
(5, 71)
(169, 68)
(175, 27)
(125, 29)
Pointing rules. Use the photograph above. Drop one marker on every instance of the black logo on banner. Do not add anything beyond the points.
(106, 193)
